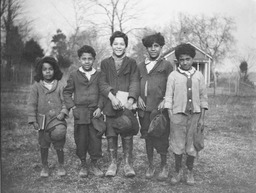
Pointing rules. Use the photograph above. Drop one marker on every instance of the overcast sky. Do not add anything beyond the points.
(49, 15)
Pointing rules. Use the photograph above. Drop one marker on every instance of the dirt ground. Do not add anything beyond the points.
(227, 164)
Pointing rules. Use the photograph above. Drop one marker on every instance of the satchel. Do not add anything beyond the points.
(199, 138)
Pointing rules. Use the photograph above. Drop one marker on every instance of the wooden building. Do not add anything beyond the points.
(202, 61)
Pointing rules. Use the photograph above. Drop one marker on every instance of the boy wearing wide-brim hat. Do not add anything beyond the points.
(82, 95)
(154, 72)
(186, 100)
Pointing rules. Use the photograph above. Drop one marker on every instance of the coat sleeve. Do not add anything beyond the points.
(105, 88)
(32, 104)
(169, 92)
(134, 87)
(68, 93)
(63, 105)
(203, 93)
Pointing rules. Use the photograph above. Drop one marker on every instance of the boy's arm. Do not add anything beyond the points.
(64, 109)
(203, 93)
(105, 88)
(68, 92)
(134, 87)
(169, 94)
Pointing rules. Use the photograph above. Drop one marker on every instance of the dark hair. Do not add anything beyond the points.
(86, 49)
(118, 34)
(149, 40)
(185, 49)
(50, 60)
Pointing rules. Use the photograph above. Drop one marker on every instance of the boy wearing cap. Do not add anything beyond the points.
(86, 105)
(154, 72)
(119, 74)
(186, 100)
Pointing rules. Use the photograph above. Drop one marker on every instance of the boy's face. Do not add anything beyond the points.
(185, 62)
(47, 71)
(118, 46)
(154, 51)
(86, 61)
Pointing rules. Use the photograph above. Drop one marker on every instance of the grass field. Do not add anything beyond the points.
(227, 164)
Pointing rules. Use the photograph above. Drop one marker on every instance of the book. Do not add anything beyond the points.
(123, 97)
(41, 121)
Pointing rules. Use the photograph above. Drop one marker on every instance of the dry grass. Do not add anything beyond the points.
(227, 164)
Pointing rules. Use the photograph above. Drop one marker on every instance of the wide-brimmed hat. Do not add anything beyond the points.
(126, 124)
(59, 132)
(158, 123)
(56, 129)
(100, 125)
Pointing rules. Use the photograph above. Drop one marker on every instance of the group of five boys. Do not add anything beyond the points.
(153, 85)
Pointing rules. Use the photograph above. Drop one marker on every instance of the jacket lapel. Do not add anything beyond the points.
(156, 65)
(124, 64)
(112, 66)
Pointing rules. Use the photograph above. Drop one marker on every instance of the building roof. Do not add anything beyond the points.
(171, 51)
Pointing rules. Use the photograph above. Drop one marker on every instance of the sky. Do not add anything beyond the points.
(49, 15)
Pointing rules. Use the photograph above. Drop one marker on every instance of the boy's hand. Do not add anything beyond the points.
(170, 113)
(97, 113)
(161, 105)
(141, 104)
(34, 125)
(129, 104)
(201, 123)
(116, 103)
(61, 116)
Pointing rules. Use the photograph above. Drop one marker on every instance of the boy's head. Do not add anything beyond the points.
(154, 44)
(86, 56)
(119, 43)
(47, 69)
(185, 53)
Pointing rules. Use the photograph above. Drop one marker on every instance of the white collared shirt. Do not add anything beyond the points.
(88, 74)
(151, 63)
(48, 85)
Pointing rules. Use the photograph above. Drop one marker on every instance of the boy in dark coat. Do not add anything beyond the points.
(86, 104)
(119, 73)
(154, 72)
(186, 100)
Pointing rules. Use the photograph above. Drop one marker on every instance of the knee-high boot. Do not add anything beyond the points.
(112, 147)
(163, 175)
(127, 149)
(150, 154)
(44, 158)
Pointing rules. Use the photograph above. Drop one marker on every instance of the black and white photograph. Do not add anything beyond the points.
(128, 96)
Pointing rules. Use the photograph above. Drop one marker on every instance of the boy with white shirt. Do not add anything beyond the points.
(86, 104)
(154, 72)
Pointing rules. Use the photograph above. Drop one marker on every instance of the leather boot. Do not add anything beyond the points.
(176, 178)
(190, 178)
(127, 149)
(164, 171)
(190, 163)
(61, 170)
(95, 170)
(150, 152)
(112, 146)
(83, 173)
(44, 157)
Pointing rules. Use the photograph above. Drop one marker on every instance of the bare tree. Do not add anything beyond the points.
(213, 34)
(119, 14)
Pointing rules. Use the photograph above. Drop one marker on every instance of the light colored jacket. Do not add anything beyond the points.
(176, 92)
